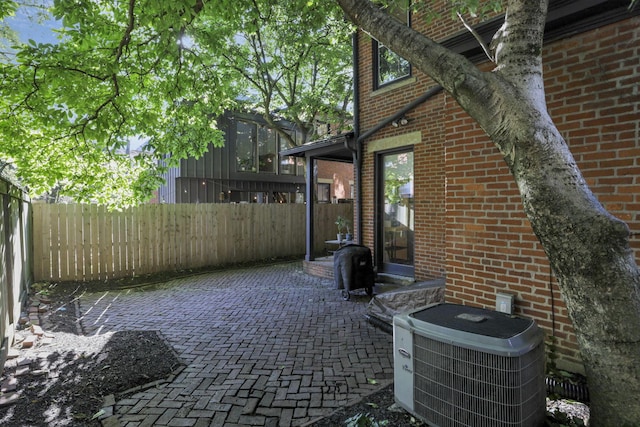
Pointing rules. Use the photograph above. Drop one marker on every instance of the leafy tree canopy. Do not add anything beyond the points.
(159, 72)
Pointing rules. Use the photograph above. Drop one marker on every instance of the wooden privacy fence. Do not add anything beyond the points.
(15, 260)
(86, 242)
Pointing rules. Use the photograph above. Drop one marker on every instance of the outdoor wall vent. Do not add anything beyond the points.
(465, 366)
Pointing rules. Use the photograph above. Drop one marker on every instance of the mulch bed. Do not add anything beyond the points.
(66, 377)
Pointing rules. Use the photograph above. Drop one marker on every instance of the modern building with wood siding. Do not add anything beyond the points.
(247, 169)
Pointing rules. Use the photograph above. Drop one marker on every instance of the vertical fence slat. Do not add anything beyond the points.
(95, 242)
(55, 246)
(65, 252)
(215, 235)
(41, 245)
(206, 234)
(173, 230)
(72, 238)
(146, 233)
(223, 219)
(110, 244)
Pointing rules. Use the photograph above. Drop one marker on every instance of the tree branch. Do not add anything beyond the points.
(126, 38)
(475, 34)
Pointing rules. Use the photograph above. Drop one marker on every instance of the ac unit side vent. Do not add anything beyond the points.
(457, 386)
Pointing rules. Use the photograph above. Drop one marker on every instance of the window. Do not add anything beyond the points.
(324, 193)
(395, 212)
(287, 163)
(267, 156)
(256, 148)
(290, 165)
(246, 147)
(388, 66)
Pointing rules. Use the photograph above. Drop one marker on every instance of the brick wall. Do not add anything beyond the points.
(340, 176)
(469, 219)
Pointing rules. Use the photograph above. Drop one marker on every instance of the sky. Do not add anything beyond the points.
(28, 26)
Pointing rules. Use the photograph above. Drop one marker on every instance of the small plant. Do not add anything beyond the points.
(342, 224)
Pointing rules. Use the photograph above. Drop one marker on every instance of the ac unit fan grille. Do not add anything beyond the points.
(457, 386)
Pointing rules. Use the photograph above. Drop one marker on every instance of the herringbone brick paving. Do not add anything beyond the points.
(264, 346)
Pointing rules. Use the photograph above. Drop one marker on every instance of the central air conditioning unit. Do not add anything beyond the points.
(465, 366)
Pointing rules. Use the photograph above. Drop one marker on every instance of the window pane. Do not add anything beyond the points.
(324, 192)
(300, 168)
(267, 150)
(288, 165)
(390, 66)
(398, 212)
(245, 147)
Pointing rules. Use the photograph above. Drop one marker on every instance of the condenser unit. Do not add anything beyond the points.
(465, 366)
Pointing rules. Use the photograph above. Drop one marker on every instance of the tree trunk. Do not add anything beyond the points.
(587, 247)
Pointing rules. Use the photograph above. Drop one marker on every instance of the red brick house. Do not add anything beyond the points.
(334, 182)
(433, 196)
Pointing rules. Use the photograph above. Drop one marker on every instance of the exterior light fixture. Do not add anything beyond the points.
(402, 121)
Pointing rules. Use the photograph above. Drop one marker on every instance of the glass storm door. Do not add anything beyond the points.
(395, 213)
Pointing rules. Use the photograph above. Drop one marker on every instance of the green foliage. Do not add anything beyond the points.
(160, 72)
(7, 8)
(476, 8)
(291, 57)
(343, 223)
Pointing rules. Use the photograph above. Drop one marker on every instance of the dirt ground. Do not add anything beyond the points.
(64, 379)
(69, 379)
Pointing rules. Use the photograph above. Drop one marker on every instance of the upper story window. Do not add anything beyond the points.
(267, 154)
(389, 66)
(246, 138)
(257, 148)
(291, 165)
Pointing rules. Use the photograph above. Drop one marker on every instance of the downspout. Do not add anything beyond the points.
(357, 152)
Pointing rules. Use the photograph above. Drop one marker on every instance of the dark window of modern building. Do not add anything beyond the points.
(267, 150)
(256, 148)
(388, 66)
(246, 147)
(288, 164)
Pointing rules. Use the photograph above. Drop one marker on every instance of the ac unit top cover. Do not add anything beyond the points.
(473, 327)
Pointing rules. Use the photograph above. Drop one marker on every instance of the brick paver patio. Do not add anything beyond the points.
(264, 346)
